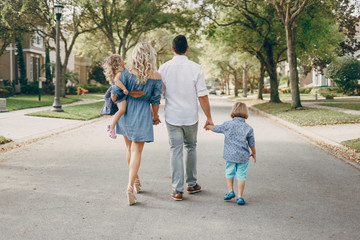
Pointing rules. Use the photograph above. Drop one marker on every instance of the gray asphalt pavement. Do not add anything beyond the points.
(72, 186)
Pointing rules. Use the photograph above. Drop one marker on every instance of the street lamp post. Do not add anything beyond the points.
(57, 105)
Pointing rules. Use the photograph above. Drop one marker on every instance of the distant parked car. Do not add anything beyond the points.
(212, 91)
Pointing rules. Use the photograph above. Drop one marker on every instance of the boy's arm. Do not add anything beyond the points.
(253, 153)
(119, 84)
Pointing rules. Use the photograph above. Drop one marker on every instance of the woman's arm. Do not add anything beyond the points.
(155, 112)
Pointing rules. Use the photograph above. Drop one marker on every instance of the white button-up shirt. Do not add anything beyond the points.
(183, 82)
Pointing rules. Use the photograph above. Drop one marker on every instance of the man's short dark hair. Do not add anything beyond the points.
(180, 44)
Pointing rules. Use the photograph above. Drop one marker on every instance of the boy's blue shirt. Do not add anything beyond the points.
(239, 136)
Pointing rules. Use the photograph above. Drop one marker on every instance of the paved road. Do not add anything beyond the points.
(72, 186)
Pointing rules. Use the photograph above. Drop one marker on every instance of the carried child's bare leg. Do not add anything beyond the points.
(241, 187)
(119, 113)
(116, 117)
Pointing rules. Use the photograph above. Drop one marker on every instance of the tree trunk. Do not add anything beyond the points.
(228, 84)
(245, 80)
(261, 81)
(294, 77)
(271, 69)
(236, 90)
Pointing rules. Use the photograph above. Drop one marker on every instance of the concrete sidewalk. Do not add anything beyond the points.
(21, 129)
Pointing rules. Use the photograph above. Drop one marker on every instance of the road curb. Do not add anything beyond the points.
(330, 146)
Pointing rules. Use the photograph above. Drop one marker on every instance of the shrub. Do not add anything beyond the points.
(30, 88)
(305, 90)
(93, 88)
(97, 73)
(285, 90)
(71, 90)
(10, 89)
(266, 90)
(48, 88)
(345, 72)
(4, 93)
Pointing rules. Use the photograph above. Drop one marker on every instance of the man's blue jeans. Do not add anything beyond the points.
(182, 137)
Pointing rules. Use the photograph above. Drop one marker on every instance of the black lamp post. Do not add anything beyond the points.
(57, 105)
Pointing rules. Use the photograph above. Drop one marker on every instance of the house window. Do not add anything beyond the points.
(37, 41)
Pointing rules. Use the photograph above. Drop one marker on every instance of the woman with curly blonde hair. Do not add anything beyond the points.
(136, 125)
(113, 67)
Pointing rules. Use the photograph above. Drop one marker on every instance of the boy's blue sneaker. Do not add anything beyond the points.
(229, 196)
(240, 201)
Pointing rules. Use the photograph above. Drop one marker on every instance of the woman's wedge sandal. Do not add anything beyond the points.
(131, 196)
(137, 185)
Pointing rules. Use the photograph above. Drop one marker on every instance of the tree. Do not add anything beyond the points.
(124, 22)
(12, 12)
(250, 26)
(345, 71)
(288, 11)
(41, 20)
(21, 62)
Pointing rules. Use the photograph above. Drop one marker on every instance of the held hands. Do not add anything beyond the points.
(209, 127)
(208, 122)
(156, 120)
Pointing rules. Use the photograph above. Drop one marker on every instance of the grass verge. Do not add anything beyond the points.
(353, 99)
(78, 112)
(4, 140)
(307, 116)
(19, 102)
(354, 143)
(351, 106)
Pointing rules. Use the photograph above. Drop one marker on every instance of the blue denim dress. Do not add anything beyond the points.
(137, 122)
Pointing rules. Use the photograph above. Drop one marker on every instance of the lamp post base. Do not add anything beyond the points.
(56, 106)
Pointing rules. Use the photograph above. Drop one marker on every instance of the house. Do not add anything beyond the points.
(318, 79)
(34, 55)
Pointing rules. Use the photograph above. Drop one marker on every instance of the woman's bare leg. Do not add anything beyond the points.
(128, 144)
(135, 160)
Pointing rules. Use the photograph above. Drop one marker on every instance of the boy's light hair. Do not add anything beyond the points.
(112, 66)
(239, 110)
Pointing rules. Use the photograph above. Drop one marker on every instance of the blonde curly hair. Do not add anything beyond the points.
(112, 66)
(143, 60)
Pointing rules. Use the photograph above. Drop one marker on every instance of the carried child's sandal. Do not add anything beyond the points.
(137, 185)
(111, 131)
(131, 196)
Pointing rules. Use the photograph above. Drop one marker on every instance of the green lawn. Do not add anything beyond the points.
(18, 102)
(351, 106)
(78, 112)
(353, 99)
(307, 116)
(4, 140)
(354, 143)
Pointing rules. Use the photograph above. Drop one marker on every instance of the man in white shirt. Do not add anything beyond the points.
(183, 85)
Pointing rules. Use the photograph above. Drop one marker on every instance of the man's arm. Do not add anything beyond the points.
(205, 105)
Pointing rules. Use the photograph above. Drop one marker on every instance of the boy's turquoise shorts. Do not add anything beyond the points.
(238, 169)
